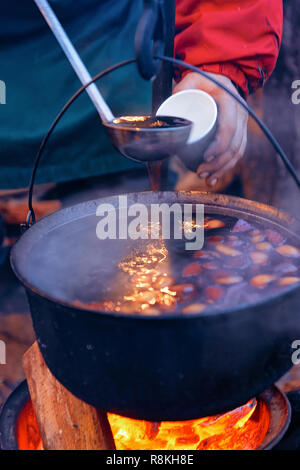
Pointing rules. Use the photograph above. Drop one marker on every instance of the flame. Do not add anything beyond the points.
(241, 429)
(27, 431)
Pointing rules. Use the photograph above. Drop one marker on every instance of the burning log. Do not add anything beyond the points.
(64, 421)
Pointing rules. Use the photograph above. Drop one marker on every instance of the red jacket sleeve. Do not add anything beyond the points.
(236, 38)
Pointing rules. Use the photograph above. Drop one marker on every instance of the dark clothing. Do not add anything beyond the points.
(39, 80)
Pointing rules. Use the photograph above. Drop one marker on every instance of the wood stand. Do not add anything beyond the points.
(65, 422)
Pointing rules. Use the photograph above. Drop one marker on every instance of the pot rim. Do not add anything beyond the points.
(214, 200)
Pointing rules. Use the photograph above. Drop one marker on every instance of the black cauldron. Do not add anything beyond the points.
(171, 367)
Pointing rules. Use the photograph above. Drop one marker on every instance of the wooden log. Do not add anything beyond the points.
(65, 422)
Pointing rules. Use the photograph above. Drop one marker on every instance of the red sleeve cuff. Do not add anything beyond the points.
(233, 72)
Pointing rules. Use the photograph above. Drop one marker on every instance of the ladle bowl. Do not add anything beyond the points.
(148, 138)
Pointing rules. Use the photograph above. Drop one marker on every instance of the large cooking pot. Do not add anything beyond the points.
(170, 367)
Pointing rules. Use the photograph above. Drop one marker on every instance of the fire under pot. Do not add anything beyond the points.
(258, 425)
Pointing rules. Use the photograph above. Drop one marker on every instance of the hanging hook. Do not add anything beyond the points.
(150, 38)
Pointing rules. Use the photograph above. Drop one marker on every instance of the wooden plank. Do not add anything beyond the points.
(65, 422)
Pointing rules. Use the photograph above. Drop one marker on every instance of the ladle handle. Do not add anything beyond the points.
(74, 59)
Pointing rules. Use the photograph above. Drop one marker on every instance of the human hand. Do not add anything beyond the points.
(230, 141)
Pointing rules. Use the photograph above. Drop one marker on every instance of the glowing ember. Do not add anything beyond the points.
(241, 429)
(27, 431)
(238, 429)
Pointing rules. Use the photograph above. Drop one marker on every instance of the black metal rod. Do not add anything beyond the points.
(31, 214)
(162, 84)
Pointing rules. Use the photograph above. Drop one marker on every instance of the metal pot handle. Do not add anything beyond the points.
(31, 215)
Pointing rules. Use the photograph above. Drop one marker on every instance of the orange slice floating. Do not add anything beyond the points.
(259, 258)
(229, 280)
(226, 250)
(262, 280)
(264, 246)
(288, 250)
(288, 280)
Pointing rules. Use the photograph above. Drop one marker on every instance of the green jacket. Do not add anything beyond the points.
(39, 80)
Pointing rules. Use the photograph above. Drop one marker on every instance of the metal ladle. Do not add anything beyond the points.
(141, 138)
